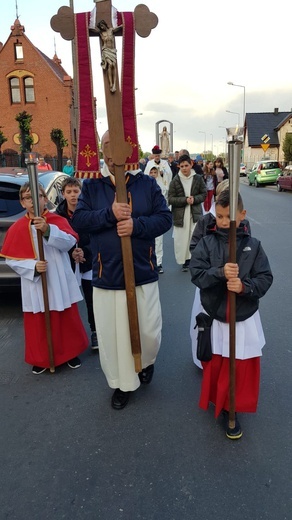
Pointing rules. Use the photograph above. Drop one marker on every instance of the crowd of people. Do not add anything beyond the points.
(82, 244)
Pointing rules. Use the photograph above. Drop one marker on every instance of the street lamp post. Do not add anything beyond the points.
(200, 132)
(211, 143)
(237, 113)
(242, 86)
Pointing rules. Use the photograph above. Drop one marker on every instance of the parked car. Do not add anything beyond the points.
(242, 170)
(284, 181)
(11, 179)
(264, 172)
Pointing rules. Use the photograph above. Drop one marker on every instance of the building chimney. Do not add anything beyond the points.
(276, 111)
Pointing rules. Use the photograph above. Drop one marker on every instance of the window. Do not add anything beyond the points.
(14, 90)
(54, 193)
(18, 51)
(29, 90)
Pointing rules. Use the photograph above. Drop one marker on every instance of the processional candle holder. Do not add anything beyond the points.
(31, 161)
(235, 143)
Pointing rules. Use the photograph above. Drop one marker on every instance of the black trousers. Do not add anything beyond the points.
(87, 291)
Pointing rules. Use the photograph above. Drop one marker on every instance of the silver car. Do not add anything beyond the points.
(11, 179)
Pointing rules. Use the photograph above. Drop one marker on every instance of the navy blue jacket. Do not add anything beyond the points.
(206, 266)
(151, 218)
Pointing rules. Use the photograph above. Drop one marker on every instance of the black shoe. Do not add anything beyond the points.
(74, 363)
(146, 375)
(232, 433)
(160, 269)
(94, 342)
(120, 399)
(38, 370)
(185, 266)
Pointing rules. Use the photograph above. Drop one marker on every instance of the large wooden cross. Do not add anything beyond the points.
(145, 21)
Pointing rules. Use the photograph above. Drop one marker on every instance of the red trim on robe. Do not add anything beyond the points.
(18, 243)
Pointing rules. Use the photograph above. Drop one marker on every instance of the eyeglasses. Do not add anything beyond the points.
(29, 197)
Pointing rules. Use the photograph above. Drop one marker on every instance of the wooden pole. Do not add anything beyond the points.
(34, 188)
(46, 303)
(120, 150)
(129, 275)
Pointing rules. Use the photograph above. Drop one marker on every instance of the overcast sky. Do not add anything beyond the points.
(183, 67)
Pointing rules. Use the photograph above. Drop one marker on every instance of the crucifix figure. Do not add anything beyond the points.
(108, 53)
(122, 144)
(145, 21)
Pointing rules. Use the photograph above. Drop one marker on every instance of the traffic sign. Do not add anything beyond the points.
(265, 147)
(266, 138)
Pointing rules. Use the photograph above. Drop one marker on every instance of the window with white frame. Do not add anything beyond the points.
(29, 90)
(14, 90)
(18, 51)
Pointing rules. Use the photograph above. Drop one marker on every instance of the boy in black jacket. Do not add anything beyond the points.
(250, 279)
(81, 255)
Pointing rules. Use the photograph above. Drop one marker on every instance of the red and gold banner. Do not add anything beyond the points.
(87, 159)
(128, 88)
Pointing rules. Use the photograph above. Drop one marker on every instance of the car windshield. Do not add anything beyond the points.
(270, 165)
(9, 200)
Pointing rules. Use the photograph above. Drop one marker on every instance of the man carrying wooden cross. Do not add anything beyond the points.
(144, 217)
(122, 209)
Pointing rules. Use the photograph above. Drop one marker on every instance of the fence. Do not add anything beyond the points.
(13, 159)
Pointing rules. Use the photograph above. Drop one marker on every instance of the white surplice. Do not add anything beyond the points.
(182, 235)
(62, 285)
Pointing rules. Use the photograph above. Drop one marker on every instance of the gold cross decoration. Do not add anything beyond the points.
(87, 152)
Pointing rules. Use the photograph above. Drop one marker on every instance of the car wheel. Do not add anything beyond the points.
(279, 187)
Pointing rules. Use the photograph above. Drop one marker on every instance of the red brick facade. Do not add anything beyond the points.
(31, 81)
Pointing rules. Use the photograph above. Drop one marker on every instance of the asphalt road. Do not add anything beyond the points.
(65, 453)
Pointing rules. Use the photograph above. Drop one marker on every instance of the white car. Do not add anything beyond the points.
(242, 170)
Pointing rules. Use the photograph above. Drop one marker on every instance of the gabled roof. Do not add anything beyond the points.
(55, 64)
(56, 67)
(259, 124)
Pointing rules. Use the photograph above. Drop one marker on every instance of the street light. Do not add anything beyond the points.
(200, 132)
(212, 143)
(238, 114)
(242, 86)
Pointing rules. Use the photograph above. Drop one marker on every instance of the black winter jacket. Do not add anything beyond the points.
(178, 200)
(207, 263)
(84, 240)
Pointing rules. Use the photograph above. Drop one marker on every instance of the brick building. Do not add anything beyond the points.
(31, 81)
